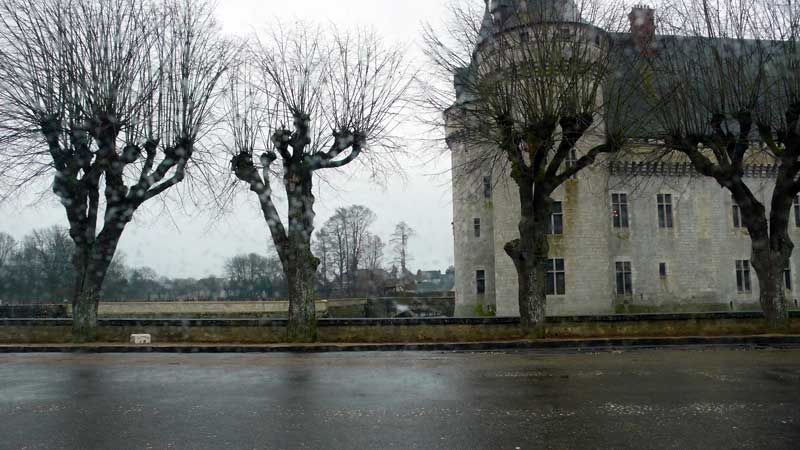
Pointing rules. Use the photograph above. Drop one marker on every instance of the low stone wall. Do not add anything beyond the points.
(41, 311)
(228, 309)
(388, 307)
(255, 331)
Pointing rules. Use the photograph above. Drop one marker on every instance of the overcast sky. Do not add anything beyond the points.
(183, 244)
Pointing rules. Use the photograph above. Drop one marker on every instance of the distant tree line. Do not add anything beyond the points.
(40, 268)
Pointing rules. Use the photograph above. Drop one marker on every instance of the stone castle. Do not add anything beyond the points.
(619, 241)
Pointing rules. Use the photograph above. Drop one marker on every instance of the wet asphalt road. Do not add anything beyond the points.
(636, 399)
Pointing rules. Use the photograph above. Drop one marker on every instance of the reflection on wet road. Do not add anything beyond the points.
(641, 399)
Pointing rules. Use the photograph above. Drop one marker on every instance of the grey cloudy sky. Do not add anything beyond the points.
(183, 244)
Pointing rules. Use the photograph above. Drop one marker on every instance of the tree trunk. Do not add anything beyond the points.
(530, 255)
(300, 264)
(301, 280)
(769, 265)
(84, 313)
(91, 267)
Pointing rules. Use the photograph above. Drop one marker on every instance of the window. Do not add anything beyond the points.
(524, 36)
(664, 210)
(487, 187)
(624, 278)
(476, 224)
(619, 210)
(787, 277)
(480, 282)
(737, 215)
(555, 277)
(797, 211)
(662, 270)
(571, 161)
(743, 275)
(556, 225)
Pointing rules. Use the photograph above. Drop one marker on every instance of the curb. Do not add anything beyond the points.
(565, 344)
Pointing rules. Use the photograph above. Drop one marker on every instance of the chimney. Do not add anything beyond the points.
(643, 29)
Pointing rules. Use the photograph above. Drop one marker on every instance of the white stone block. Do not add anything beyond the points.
(140, 339)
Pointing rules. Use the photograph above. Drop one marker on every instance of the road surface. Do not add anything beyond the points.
(698, 398)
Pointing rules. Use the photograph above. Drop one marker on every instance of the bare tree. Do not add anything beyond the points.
(359, 219)
(347, 235)
(373, 253)
(142, 283)
(42, 269)
(729, 92)
(7, 246)
(322, 246)
(534, 85)
(252, 276)
(402, 234)
(373, 264)
(325, 99)
(112, 98)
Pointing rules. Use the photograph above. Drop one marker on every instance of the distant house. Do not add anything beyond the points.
(429, 281)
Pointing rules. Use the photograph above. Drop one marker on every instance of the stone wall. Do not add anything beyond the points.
(256, 331)
(699, 251)
(473, 253)
(276, 308)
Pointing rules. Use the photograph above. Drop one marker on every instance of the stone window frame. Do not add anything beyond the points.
(623, 277)
(480, 282)
(476, 227)
(620, 220)
(555, 226)
(487, 187)
(736, 214)
(663, 270)
(744, 282)
(666, 210)
(787, 276)
(556, 278)
(571, 161)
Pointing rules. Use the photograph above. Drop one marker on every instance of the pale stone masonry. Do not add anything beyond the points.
(687, 261)
(698, 253)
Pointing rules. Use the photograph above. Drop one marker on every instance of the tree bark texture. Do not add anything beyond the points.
(91, 266)
(530, 256)
(301, 279)
(300, 264)
(771, 246)
(771, 250)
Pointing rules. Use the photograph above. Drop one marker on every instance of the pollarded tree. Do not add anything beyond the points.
(536, 83)
(324, 99)
(111, 98)
(728, 88)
